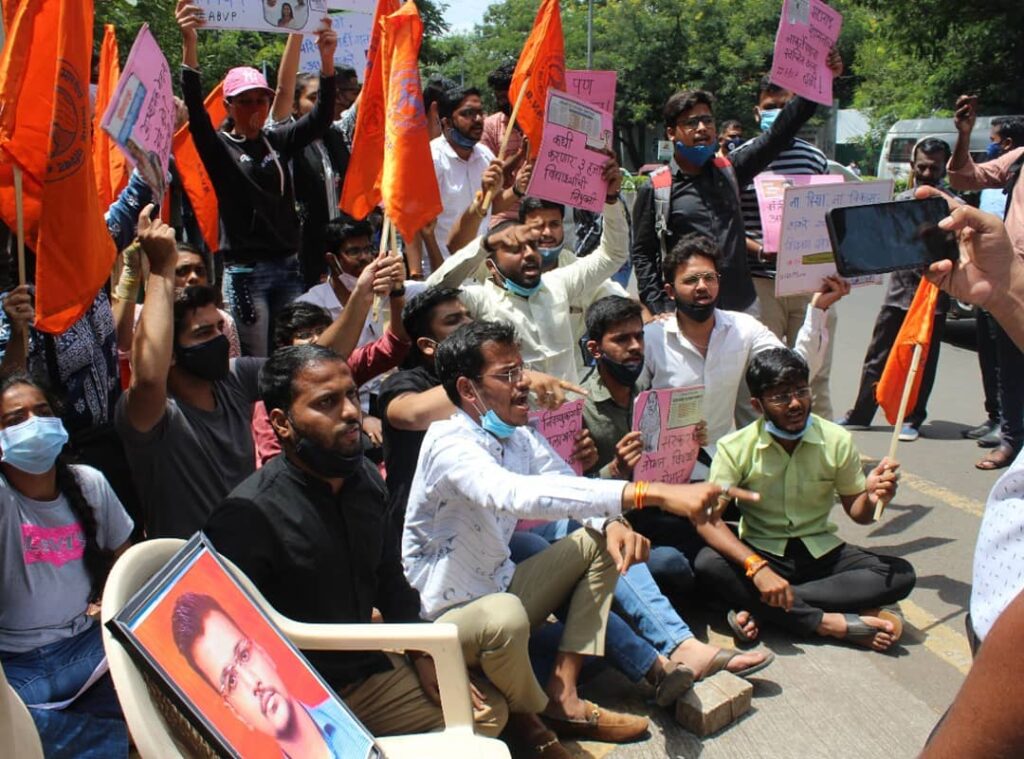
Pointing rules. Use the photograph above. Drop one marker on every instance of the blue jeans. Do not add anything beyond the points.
(255, 293)
(637, 598)
(92, 726)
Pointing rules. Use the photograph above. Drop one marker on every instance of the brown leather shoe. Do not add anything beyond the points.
(601, 725)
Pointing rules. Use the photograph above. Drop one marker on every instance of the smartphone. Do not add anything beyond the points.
(889, 236)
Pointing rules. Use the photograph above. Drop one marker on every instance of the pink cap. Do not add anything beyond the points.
(242, 79)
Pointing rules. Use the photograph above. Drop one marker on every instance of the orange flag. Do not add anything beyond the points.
(51, 52)
(916, 330)
(194, 179)
(541, 66)
(361, 191)
(107, 158)
(408, 184)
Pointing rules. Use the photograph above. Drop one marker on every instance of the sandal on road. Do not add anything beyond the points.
(742, 637)
(860, 632)
(997, 458)
(720, 661)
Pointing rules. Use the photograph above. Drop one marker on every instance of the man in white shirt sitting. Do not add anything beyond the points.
(479, 472)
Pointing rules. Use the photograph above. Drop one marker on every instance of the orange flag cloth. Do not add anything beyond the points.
(408, 184)
(361, 191)
(916, 330)
(45, 129)
(542, 63)
(194, 179)
(107, 158)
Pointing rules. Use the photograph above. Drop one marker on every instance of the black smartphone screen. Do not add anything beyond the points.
(889, 236)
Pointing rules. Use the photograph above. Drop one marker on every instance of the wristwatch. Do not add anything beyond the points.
(617, 518)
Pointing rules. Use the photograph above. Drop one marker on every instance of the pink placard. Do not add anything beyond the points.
(595, 87)
(770, 189)
(808, 30)
(560, 428)
(570, 166)
(667, 421)
(140, 117)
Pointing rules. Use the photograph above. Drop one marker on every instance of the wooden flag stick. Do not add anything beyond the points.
(486, 204)
(915, 362)
(386, 231)
(19, 212)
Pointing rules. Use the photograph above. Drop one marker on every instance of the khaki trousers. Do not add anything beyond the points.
(394, 703)
(495, 630)
(784, 316)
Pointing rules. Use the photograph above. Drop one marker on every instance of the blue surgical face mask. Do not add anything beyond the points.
(994, 150)
(549, 256)
(460, 140)
(491, 422)
(698, 155)
(773, 429)
(768, 118)
(514, 287)
(33, 445)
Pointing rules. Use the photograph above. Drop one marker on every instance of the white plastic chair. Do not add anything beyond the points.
(154, 739)
(17, 729)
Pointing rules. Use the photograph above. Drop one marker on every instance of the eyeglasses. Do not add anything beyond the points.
(229, 677)
(695, 121)
(512, 377)
(365, 250)
(784, 399)
(708, 277)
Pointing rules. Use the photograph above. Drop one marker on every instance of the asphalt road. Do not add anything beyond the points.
(826, 700)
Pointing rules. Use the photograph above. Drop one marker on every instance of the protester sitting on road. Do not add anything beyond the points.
(61, 528)
(698, 193)
(478, 473)
(928, 168)
(248, 166)
(786, 566)
(538, 305)
(309, 529)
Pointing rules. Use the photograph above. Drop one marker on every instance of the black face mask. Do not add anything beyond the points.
(325, 462)
(699, 313)
(624, 374)
(208, 361)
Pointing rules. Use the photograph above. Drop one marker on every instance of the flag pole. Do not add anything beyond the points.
(386, 231)
(19, 212)
(915, 362)
(486, 204)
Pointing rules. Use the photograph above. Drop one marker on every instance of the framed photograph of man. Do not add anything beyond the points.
(228, 670)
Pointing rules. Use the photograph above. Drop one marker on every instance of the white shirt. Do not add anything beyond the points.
(469, 491)
(673, 361)
(459, 181)
(999, 553)
(544, 322)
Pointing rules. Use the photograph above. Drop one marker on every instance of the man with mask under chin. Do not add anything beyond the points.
(186, 418)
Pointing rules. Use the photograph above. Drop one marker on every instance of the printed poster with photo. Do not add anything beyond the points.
(282, 16)
(667, 420)
(228, 669)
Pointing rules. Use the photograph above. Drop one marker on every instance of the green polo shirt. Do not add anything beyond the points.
(797, 491)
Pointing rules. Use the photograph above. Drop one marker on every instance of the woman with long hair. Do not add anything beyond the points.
(61, 527)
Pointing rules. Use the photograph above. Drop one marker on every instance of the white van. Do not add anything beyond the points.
(894, 163)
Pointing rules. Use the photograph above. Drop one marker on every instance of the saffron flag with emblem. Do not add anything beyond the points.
(541, 66)
(194, 179)
(107, 158)
(45, 129)
(361, 192)
(408, 183)
(916, 330)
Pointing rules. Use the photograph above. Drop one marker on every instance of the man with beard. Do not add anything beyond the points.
(460, 159)
(787, 566)
(309, 530)
(185, 420)
(247, 678)
(495, 126)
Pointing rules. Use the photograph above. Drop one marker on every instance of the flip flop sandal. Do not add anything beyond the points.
(720, 661)
(673, 684)
(996, 459)
(737, 629)
(861, 633)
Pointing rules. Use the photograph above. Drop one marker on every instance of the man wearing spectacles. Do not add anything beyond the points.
(699, 192)
(786, 566)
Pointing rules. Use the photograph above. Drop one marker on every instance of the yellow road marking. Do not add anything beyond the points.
(941, 639)
(936, 491)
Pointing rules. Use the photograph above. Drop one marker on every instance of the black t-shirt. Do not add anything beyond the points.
(402, 447)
